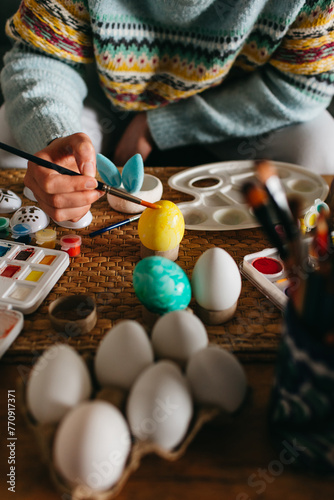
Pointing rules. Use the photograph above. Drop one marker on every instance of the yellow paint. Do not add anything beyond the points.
(34, 275)
(303, 228)
(47, 260)
(46, 238)
(282, 280)
(310, 220)
(49, 244)
(162, 228)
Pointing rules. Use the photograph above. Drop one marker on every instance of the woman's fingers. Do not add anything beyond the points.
(65, 197)
(63, 214)
(45, 182)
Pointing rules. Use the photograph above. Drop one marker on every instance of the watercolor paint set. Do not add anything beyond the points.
(27, 275)
(266, 271)
(219, 204)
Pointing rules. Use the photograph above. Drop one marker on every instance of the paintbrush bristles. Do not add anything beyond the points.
(269, 177)
(265, 169)
(255, 196)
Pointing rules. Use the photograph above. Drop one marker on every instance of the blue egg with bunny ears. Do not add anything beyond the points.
(108, 171)
(132, 175)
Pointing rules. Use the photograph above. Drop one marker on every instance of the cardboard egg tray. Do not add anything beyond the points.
(44, 435)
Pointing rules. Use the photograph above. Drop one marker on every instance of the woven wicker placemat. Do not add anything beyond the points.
(104, 269)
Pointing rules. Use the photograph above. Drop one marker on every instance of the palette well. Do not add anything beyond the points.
(218, 203)
(266, 271)
(10, 326)
(27, 274)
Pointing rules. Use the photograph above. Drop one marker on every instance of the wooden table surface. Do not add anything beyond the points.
(233, 460)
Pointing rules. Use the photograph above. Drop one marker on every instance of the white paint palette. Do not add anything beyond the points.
(28, 273)
(218, 203)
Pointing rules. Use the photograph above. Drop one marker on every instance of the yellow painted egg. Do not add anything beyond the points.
(161, 229)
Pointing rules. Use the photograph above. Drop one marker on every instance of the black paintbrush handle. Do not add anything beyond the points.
(37, 160)
(65, 171)
(263, 216)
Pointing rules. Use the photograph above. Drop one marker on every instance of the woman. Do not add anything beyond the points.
(246, 78)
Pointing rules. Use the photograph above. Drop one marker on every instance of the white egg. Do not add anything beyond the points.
(9, 201)
(58, 381)
(177, 335)
(217, 378)
(31, 215)
(122, 355)
(91, 445)
(160, 407)
(79, 224)
(216, 281)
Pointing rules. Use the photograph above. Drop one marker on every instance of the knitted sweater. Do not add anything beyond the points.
(204, 70)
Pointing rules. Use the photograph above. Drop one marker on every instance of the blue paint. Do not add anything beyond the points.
(21, 232)
(3, 250)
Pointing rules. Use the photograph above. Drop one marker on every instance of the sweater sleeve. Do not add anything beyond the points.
(43, 97)
(42, 80)
(295, 86)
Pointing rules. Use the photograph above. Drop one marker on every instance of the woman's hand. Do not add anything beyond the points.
(64, 197)
(136, 139)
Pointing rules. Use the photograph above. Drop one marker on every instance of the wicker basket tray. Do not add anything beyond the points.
(104, 270)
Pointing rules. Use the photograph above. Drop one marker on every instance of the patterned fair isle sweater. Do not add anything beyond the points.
(204, 70)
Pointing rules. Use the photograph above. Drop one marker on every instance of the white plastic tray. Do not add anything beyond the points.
(221, 206)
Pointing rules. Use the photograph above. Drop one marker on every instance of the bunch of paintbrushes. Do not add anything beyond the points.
(310, 269)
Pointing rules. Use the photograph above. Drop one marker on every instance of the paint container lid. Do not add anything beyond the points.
(45, 236)
(73, 314)
(10, 326)
(19, 230)
(321, 205)
(311, 216)
(70, 241)
(4, 223)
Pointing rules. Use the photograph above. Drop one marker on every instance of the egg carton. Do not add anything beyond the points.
(45, 433)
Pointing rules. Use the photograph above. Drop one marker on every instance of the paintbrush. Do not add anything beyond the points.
(317, 312)
(267, 174)
(64, 171)
(257, 199)
(321, 241)
(330, 203)
(114, 226)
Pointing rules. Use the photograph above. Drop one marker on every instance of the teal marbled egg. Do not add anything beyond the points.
(161, 285)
